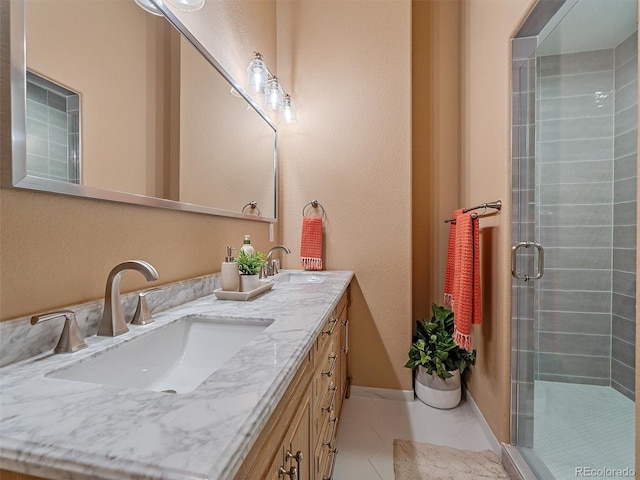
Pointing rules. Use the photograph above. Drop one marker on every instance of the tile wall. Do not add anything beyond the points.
(624, 217)
(53, 135)
(574, 192)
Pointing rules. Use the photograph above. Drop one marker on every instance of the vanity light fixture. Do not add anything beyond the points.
(260, 81)
(274, 96)
(288, 112)
(257, 75)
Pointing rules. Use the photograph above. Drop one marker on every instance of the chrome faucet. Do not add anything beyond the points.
(113, 323)
(271, 268)
(70, 340)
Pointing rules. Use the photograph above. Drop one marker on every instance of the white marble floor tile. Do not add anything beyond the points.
(369, 426)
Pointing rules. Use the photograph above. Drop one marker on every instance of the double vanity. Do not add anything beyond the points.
(212, 389)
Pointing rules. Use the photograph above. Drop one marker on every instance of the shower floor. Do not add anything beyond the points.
(583, 426)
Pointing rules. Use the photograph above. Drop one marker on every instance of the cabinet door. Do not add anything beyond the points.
(298, 450)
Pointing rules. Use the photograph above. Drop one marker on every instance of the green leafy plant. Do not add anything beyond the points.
(250, 264)
(433, 346)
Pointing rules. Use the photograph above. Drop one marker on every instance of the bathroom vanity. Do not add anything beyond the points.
(271, 410)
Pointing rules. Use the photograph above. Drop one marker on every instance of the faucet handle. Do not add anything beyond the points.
(70, 340)
(275, 266)
(264, 272)
(142, 315)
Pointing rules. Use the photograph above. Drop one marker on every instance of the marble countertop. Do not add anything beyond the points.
(57, 428)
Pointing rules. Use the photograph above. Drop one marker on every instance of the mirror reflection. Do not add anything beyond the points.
(118, 100)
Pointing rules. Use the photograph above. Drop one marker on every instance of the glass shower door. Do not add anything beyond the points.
(575, 326)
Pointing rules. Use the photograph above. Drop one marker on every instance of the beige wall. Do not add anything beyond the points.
(105, 51)
(237, 160)
(436, 143)
(57, 250)
(487, 29)
(348, 66)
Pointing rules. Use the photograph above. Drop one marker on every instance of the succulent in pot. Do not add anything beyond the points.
(249, 265)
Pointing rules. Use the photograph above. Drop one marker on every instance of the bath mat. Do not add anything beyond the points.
(425, 461)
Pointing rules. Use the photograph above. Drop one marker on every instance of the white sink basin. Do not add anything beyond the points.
(303, 277)
(173, 359)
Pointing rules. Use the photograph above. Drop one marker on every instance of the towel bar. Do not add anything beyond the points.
(496, 205)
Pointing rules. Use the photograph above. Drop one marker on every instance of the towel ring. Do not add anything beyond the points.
(254, 206)
(314, 204)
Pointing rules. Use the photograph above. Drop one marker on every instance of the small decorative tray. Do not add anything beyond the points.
(243, 296)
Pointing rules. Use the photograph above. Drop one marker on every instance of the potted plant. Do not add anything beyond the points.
(438, 360)
(249, 265)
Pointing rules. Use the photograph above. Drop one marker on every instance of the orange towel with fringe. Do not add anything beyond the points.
(467, 298)
(311, 243)
(451, 254)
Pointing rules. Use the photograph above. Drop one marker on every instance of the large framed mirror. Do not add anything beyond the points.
(114, 103)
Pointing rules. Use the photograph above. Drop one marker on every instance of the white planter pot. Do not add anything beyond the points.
(435, 391)
(248, 282)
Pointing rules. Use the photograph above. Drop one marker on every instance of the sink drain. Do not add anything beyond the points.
(168, 391)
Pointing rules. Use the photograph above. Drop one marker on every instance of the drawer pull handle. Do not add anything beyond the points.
(334, 322)
(298, 458)
(292, 472)
(333, 464)
(333, 357)
(333, 432)
(331, 405)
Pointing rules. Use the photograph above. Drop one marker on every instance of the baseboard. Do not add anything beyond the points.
(383, 393)
(496, 446)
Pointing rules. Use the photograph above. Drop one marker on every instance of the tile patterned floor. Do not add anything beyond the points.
(563, 440)
(368, 427)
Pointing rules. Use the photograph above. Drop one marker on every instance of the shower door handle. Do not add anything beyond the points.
(525, 276)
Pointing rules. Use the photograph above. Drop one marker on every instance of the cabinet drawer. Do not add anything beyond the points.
(330, 328)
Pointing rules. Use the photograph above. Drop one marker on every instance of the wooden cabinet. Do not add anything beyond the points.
(330, 381)
(299, 440)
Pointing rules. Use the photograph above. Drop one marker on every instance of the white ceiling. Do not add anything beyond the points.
(589, 25)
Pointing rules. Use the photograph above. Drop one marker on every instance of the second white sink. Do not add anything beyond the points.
(173, 359)
(302, 277)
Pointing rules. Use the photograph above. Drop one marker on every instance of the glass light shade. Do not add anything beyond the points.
(288, 112)
(187, 5)
(257, 75)
(274, 99)
(148, 6)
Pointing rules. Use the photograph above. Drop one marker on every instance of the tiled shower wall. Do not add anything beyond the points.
(53, 130)
(586, 116)
(624, 227)
(574, 192)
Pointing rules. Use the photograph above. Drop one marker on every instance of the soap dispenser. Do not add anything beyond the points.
(247, 247)
(229, 273)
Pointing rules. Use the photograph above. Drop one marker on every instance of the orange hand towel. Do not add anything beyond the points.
(466, 283)
(311, 243)
(451, 254)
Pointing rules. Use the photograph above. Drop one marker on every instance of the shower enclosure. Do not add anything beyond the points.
(575, 129)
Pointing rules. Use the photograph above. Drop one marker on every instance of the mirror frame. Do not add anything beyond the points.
(14, 168)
